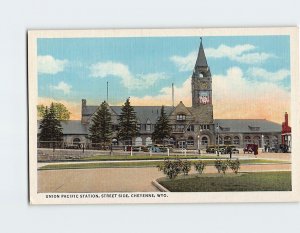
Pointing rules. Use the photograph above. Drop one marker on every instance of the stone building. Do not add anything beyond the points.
(192, 127)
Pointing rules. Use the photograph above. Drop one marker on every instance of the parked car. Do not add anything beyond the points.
(279, 148)
(250, 148)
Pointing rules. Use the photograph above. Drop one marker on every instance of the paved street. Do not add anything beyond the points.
(118, 179)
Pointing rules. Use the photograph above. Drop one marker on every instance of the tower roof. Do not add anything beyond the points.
(201, 59)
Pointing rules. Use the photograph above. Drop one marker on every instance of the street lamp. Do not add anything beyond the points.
(262, 142)
(218, 139)
(198, 143)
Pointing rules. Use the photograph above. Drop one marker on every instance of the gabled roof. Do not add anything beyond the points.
(143, 113)
(247, 125)
(201, 59)
(71, 127)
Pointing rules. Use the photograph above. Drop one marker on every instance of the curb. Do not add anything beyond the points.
(159, 186)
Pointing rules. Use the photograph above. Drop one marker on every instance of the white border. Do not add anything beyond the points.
(198, 197)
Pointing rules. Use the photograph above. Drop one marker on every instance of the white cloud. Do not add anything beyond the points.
(186, 63)
(239, 53)
(62, 86)
(269, 76)
(129, 80)
(234, 97)
(49, 65)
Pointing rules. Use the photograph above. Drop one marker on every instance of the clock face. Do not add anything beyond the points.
(204, 85)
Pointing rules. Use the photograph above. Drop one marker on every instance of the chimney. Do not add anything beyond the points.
(286, 118)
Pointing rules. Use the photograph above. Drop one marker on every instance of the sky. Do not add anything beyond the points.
(250, 74)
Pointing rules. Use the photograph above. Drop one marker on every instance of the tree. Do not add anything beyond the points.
(61, 112)
(100, 130)
(127, 123)
(50, 126)
(162, 129)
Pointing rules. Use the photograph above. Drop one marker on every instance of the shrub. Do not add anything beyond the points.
(199, 166)
(186, 167)
(224, 166)
(218, 165)
(234, 165)
(172, 168)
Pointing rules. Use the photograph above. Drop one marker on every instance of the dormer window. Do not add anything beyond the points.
(254, 128)
(181, 117)
(148, 125)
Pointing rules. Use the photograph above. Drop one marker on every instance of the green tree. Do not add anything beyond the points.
(162, 129)
(50, 127)
(61, 111)
(127, 123)
(100, 130)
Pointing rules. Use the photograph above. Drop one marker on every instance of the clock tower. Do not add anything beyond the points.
(202, 88)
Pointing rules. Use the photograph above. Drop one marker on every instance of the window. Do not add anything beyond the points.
(247, 140)
(236, 140)
(204, 140)
(179, 128)
(138, 141)
(181, 117)
(148, 141)
(148, 126)
(266, 140)
(227, 140)
(76, 140)
(190, 141)
(190, 128)
(204, 127)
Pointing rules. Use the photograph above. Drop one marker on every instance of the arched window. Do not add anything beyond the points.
(227, 140)
(76, 140)
(204, 140)
(247, 140)
(256, 140)
(148, 125)
(138, 141)
(236, 140)
(200, 75)
(148, 141)
(190, 141)
(114, 141)
(275, 140)
(266, 140)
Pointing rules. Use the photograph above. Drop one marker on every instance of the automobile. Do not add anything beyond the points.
(72, 146)
(234, 150)
(134, 148)
(279, 148)
(211, 149)
(250, 148)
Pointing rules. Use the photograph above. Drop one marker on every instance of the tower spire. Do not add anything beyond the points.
(201, 59)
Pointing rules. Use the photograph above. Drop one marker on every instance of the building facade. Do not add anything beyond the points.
(192, 127)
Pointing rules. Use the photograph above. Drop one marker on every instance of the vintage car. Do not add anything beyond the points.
(251, 148)
(279, 148)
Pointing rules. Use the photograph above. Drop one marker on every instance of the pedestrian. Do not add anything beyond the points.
(230, 152)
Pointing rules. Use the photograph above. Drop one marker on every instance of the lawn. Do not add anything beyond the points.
(117, 164)
(144, 157)
(254, 181)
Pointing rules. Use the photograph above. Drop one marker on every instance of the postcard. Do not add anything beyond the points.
(191, 115)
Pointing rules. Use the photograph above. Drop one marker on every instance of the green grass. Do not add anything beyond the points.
(254, 181)
(75, 165)
(98, 165)
(144, 157)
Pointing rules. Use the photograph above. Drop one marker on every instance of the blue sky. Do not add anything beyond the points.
(75, 68)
